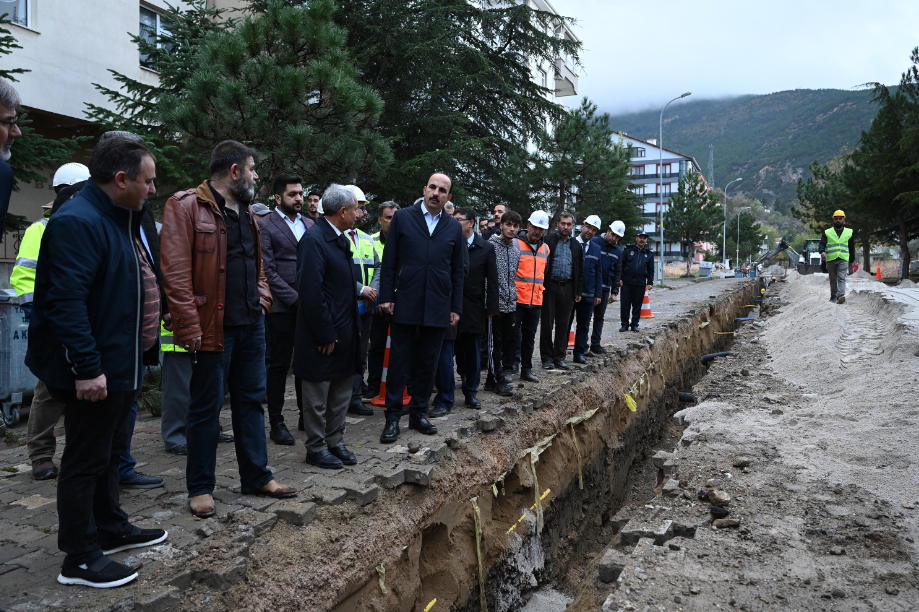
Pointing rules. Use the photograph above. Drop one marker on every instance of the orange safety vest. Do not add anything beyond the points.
(531, 273)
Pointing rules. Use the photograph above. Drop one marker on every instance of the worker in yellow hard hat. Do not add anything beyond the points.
(837, 249)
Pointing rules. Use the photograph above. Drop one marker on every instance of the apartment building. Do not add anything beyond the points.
(563, 71)
(654, 179)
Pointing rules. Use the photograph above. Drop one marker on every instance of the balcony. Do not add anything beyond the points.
(667, 175)
(566, 81)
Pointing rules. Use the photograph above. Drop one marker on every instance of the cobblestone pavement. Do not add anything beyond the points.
(30, 560)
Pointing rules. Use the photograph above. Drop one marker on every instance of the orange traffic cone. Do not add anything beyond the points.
(646, 308)
(380, 400)
(879, 277)
(571, 334)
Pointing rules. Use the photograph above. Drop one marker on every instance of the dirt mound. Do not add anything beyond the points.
(907, 284)
(861, 274)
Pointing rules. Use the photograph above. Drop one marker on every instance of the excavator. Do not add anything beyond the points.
(806, 263)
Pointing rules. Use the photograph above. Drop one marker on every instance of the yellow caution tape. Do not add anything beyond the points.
(514, 526)
(534, 453)
(382, 572)
(724, 333)
(477, 515)
(428, 607)
(703, 324)
(574, 438)
(630, 403)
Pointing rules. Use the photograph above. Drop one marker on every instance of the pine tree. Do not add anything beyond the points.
(283, 82)
(693, 212)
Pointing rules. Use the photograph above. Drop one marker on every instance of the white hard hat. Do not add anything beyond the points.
(70, 174)
(618, 228)
(539, 219)
(357, 193)
(593, 220)
(319, 207)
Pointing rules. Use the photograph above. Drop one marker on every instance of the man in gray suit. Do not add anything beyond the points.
(281, 231)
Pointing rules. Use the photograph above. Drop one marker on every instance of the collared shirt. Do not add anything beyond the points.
(296, 226)
(561, 261)
(431, 220)
(469, 241)
(242, 305)
(583, 246)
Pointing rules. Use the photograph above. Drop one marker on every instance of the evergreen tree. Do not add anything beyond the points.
(750, 237)
(33, 154)
(579, 168)
(693, 213)
(134, 106)
(283, 82)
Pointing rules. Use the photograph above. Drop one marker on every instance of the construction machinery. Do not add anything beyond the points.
(807, 262)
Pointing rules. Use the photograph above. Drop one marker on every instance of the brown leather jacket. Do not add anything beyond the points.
(193, 246)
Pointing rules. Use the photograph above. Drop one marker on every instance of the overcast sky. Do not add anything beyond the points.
(719, 48)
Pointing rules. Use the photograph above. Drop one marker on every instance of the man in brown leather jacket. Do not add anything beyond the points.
(218, 297)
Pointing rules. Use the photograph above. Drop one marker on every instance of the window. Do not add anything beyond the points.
(665, 189)
(638, 170)
(638, 189)
(541, 78)
(636, 152)
(152, 25)
(17, 11)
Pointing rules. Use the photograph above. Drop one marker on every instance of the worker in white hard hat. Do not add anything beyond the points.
(608, 246)
(531, 274)
(590, 286)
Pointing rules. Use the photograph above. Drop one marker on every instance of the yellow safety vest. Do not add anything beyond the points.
(365, 256)
(378, 244)
(837, 247)
(167, 341)
(23, 277)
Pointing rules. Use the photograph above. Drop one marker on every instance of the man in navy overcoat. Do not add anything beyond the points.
(422, 288)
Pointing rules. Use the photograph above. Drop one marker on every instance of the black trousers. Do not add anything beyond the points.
(583, 311)
(502, 344)
(88, 504)
(599, 314)
(281, 329)
(468, 353)
(525, 323)
(379, 328)
(557, 302)
(363, 344)
(414, 353)
(631, 297)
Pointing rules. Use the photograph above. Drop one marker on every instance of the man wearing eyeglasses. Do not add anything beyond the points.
(9, 131)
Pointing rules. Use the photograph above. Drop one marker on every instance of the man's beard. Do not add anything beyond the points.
(242, 192)
(6, 151)
(838, 225)
(288, 209)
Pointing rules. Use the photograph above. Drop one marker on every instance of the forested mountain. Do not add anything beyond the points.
(768, 140)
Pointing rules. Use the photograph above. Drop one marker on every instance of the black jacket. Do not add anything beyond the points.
(422, 273)
(88, 309)
(480, 289)
(577, 261)
(609, 258)
(635, 266)
(329, 313)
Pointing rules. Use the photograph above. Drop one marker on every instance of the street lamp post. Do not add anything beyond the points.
(660, 177)
(737, 261)
(724, 231)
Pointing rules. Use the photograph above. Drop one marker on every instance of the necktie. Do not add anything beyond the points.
(353, 236)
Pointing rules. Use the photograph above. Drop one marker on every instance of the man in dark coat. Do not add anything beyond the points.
(328, 329)
(480, 302)
(280, 233)
(635, 271)
(422, 288)
(9, 132)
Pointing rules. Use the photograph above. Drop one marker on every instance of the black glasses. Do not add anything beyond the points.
(461, 219)
(11, 122)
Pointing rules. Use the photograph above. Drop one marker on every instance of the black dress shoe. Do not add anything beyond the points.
(438, 411)
(504, 390)
(561, 365)
(346, 456)
(624, 328)
(422, 425)
(280, 435)
(181, 449)
(360, 409)
(473, 403)
(225, 437)
(598, 350)
(371, 393)
(528, 376)
(390, 432)
(578, 358)
(634, 327)
(324, 459)
(547, 365)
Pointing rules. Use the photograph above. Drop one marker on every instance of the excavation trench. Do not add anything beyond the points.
(500, 524)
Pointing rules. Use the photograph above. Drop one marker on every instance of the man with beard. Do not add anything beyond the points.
(564, 271)
(218, 296)
(281, 232)
(312, 205)
(837, 250)
(9, 131)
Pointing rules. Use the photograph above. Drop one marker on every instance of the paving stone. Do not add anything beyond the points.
(160, 599)
(419, 474)
(390, 479)
(488, 423)
(660, 457)
(330, 497)
(612, 564)
(224, 575)
(261, 522)
(657, 532)
(671, 488)
(256, 503)
(295, 513)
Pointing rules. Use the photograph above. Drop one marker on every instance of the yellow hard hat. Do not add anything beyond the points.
(839, 213)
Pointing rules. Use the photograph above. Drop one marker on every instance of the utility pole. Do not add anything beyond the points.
(660, 181)
(711, 167)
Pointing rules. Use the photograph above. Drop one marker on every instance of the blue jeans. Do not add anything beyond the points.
(127, 462)
(241, 365)
(444, 379)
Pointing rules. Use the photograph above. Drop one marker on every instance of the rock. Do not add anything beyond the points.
(741, 462)
(718, 513)
(839, 594)
(777, 411)
(719, 498)
(414, 446)
(295, 513)
(671, 468)
(702, 495)
(891, 590)
(208, 528)
(222, 577)
(453, 442)
(660, 457)
(488, 423)
(837, 550)
(649, 340)
(687, 494)
(161, 599)
(744, 372)
(419, 475)
(611, 565)
(658, 533)
(610, 605)
(677, 599)
(695, 590)
(671, 488)
(726, 523)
